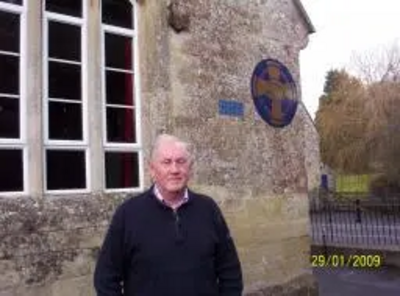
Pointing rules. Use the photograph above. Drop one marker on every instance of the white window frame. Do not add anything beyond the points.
(21, 143)
(66, 145)
(123, 147)
(25, 139)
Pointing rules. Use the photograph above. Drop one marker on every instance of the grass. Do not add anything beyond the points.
(352, 183)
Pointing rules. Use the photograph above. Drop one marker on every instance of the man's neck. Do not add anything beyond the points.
(173, 197)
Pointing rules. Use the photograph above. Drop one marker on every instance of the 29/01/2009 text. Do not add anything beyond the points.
(351, 261)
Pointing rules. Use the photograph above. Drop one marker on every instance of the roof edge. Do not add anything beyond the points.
(304, 14)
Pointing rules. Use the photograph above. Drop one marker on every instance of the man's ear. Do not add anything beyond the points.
(151, 169)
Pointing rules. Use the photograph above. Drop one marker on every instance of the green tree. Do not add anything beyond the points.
(340, 123)
(359, 118)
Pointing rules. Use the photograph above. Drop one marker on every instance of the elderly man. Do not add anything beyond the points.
(169, 240)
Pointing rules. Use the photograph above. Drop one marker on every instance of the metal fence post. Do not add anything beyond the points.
(358, 211)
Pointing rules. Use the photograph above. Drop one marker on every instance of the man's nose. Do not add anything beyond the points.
(174, 167)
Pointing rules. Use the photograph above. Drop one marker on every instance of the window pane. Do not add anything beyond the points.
(65, 169)
(122, 170)
(120, 125)
(12, 1)
(9, 74)
(64, 41)
(65, 121)
(9, 118)
(118, 51)
(64, 81)
(119, 88)
(117, 13)
(11, 170)
(9, 31)
(70, 7)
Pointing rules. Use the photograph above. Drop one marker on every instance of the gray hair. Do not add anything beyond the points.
(162, 138)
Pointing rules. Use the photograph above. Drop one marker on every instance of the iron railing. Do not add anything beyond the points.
(356, 223)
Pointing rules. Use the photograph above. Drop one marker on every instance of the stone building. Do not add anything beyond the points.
(85, 86)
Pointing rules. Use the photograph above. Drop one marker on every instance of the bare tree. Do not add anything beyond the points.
(378, 65)
(380, 70)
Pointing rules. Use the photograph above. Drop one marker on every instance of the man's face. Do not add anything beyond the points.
(170, 167)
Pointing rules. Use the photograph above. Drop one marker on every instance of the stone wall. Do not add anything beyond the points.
(48, 247)
(258, 174)
(192, 54)
(313, 164)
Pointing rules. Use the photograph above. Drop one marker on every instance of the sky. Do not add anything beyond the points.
(344, 29)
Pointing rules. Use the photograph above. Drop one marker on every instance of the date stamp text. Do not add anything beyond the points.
(350, 261)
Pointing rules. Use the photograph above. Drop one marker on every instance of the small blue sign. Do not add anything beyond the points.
(231, 108)
(274, 93)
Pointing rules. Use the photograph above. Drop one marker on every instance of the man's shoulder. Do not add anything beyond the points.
(207, 204)
(135, 201)
(203, 199)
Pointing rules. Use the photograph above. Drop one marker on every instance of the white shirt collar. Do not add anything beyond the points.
(159, 196)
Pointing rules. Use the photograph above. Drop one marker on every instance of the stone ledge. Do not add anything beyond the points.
(303, 285)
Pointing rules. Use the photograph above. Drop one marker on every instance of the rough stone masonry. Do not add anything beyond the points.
(193, 53)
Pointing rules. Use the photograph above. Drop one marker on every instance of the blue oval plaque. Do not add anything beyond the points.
(274, 93)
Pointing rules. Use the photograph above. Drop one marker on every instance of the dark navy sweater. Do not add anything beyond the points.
(152, 250)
